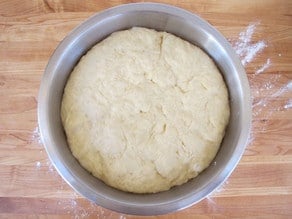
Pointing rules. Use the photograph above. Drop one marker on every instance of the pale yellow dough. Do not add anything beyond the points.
(144, 110)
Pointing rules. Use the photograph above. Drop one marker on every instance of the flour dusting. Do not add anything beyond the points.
(36, 136)
(287, 87)
(264, 67)
(244, 46)
(247, 50)
(269, 85)
(264, 94)
(262, 109)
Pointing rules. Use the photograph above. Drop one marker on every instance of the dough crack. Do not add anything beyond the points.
(161, 44)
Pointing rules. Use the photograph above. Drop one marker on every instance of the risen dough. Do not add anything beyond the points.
(145, 110)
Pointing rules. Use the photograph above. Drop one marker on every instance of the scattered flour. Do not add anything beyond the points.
(287, 87)
(247, 51)
(50, 166)
(262, 102)
(244, 46)
(264, 67)
(36, 136)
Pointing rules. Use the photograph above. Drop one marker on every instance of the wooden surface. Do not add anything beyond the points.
(261, 185)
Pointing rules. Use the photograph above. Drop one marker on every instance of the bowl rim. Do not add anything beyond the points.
(132, 208)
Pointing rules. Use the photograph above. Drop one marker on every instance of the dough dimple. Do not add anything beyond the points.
(145, 110)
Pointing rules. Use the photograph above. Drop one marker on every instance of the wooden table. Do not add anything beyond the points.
(261, 185)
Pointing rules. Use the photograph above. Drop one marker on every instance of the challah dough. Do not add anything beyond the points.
(144, 110)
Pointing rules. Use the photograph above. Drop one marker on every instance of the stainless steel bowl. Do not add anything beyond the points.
(160, 17)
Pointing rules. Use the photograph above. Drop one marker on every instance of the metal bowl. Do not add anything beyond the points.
(164, 18)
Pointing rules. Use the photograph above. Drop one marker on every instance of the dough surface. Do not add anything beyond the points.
(144, 110)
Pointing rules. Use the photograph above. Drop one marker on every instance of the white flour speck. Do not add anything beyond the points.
(36, 136)
(264, 67)
(38, 165)
(51, 168)
(280, 54)
(283, 89)
(244, 46)
(288, 105)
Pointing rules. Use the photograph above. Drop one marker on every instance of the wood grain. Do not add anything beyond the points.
(261, 185)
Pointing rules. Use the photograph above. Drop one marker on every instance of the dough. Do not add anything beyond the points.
(144, 110)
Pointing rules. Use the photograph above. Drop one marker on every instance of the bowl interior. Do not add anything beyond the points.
(163, 18)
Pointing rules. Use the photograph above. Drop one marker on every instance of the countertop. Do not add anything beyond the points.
(260, 32)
